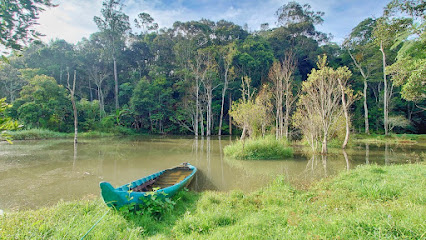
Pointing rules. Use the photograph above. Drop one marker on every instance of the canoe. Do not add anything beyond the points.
(165, 183)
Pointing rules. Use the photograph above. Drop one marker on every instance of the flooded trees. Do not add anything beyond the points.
(320, 105)
(281, 76)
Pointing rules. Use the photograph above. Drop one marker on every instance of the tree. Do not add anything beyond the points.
(227, 54)
(74, 106)
(5, 122)
(409, 69)
(360, 42)
(114, 23)
(300, 20)
(384, 33)
(11, 80)
(320, 102)
(17, 19)
(252, 115)
(145, 22)
(281, 76)
(43, 104)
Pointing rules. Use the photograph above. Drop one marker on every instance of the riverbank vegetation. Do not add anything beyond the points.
(370, 202)
(257, 149)
(185, 79)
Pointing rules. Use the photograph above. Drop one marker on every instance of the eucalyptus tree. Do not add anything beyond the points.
(226, 55)
(384, 34)
(92, 55)
(11, 79)
(360, 47)
(114, 24)
(282, 79)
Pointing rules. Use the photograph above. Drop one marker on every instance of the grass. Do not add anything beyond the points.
(260, 148)
(370, 202)
(37, 134)
(391, 138)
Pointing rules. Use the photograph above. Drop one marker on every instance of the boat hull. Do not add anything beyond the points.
(124, 195)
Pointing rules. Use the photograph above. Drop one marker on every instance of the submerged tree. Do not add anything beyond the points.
(281, 76)
(320, 105)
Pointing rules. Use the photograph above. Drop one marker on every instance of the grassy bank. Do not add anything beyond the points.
(391, 139)
(37, 134)
(370, 202)
(260, 148)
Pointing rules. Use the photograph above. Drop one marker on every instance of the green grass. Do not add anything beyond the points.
(370, 202)
(38, 134)
(391, 138)
(260, 148)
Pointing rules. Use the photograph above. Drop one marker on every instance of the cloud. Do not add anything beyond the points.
(71, 20)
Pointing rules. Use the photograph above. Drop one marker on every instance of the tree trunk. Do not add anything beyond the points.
(243, 134)
(324, 143)
(225, 86)
(345, 111)
(196, 107)
(90, 91)
(385, 90)
(367, 125)
(74, 107)
(230, 118)
(116, 84)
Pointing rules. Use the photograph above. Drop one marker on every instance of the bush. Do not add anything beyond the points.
(260, 148)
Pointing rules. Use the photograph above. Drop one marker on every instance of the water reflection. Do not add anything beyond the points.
(39, 173)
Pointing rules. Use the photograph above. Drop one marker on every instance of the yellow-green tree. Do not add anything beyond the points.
(5, 122)
(325, 97)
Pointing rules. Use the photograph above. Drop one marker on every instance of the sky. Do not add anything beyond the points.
(73, 19)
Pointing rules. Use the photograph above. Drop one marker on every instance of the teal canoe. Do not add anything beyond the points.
(165, 183)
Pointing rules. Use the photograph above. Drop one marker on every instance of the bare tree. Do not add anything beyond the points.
(99, 75)
(74, 106)
(320, 105)
(227, 55)
(281, 76)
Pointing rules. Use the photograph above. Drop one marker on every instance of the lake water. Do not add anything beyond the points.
(34, 174)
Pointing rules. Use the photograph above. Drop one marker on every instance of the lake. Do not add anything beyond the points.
(40, 173)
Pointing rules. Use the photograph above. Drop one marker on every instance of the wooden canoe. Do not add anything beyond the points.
(165, 183)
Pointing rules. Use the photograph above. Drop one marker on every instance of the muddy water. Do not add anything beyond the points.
(41, 173)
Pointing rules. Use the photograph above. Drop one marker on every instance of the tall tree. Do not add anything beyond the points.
(227, 54)
(384, 33)
(360, 48)
(281, 76)
(114, 23)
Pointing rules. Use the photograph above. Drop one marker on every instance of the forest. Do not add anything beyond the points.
(203, 77)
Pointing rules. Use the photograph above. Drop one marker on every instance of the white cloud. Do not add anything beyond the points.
(71, 20)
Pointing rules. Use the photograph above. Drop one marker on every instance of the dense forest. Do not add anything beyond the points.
(192, 77)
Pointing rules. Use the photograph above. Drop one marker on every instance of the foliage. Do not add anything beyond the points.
(182, 79)
(43, 104)
(5, 122)
(263, 148)
(370, 202)
(17, 19)
(320, 106)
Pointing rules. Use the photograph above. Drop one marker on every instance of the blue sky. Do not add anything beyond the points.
(73, 19)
